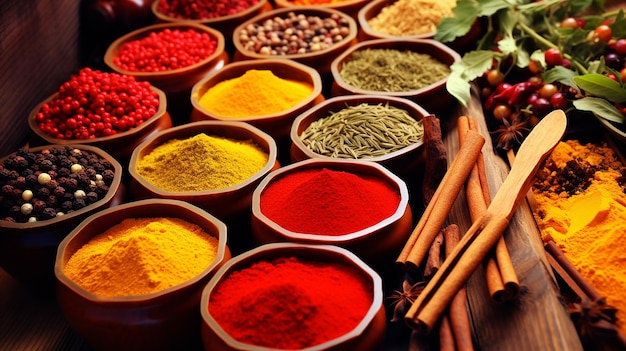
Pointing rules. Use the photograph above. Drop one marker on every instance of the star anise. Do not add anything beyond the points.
(402, 300)
(594, 320)
(511, 133)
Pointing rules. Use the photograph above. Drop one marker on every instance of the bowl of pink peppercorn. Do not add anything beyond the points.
(171, 56)
(110, 111)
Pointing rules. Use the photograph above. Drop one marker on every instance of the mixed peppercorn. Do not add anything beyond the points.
(42, 185)
(95, 104)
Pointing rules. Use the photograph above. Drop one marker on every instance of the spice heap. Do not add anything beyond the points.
(202, 162)
(363, 131)
(581, 205)
(327, 202)
(203, 9)
(316, 2)
(294, 34)
(290, 303)
(165, 50)
(255, 93)
(51, 182)
(97, 104)
(141, 256)
(392, 70)
(411, 17)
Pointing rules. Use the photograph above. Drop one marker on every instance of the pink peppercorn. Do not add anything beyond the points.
(165, 50)
(203, 9)
(95, 104)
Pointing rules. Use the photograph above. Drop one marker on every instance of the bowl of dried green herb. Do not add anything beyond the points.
(416, 69)
(382, 129)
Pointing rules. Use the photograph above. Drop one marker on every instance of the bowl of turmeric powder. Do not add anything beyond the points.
(130, 277)
(266, 93)
(287, 296)
(214, 165)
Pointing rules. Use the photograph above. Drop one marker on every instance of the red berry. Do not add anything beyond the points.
(620, 47)
(559, 101)
(553, 57)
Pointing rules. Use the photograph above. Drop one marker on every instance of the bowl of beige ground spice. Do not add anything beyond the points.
(130, 277)
(415, 69)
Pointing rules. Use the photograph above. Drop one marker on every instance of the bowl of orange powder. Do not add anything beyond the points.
(287, 296)
(130, 277)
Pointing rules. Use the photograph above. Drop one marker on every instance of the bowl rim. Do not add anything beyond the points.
(62, 278)
(258, 64)
(272, 158)
(341, 5)
(393, 100)
(209, 21)
(435, 45)
(160, 113)
(365, 27)
(309, 10)
(142, 32)
(351, 259)
(116, 184)
(336, 165)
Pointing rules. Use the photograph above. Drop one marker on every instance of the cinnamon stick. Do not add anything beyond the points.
(436, 163)
(571, 271)
(446, 336)
(502, 282)
(437, 210)
(433, 262)
(458, 315)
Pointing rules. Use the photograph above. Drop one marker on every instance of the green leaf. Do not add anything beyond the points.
(601, 86)
(600, 108)
(472, 65)
(618, 27)
(489, 7)
(464, 14)
(560, 74)
(507, 45)
(459, 88)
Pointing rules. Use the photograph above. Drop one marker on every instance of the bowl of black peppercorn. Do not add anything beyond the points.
(45, 192)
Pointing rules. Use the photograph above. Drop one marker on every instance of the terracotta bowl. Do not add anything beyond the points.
(434, 97)
(350, 7)
(278, 124)
(319, 60)
(224, 24)
(402, 162)
(27, 250)
(175, 80)
(371, 10)
(163, 320)
(367, 335)
(373, 244)
(228, 203)
(119, 145)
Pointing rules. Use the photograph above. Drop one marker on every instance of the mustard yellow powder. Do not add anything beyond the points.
(142, 255)
(255, 93)
(590, 225)
(411, 17)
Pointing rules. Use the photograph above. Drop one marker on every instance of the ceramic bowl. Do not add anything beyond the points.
(367, 335)
(373, 244)
(228, 203)
(350, 7)
(27, 250)
(319, 60)
(224, 24)
(277, 124)
(120, 145)
(181, 79)
(434, 97)
(402, 162)
(163, 320)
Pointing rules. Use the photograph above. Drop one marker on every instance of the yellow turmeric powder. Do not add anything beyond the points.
(586, 217)
(255, 93)
(141, 256)
(202, 162)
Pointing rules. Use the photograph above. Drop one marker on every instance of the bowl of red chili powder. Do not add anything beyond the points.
(266, 93)
(287, 296)
(107, 110)
(358, 205)
(171, 56)
(46, 191)
(131, 277)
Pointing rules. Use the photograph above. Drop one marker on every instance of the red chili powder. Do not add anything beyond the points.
(289, 303)
(323, 201)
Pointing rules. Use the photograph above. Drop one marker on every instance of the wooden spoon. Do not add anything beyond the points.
(485, 231)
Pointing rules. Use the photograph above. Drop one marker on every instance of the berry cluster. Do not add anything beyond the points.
(203, 9)
(95, 104)
(165, 50)
(43, 185)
